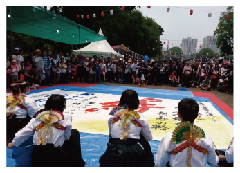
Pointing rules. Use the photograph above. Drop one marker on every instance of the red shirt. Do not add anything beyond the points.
(170, 78)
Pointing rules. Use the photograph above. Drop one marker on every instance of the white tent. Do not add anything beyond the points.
(102, 48)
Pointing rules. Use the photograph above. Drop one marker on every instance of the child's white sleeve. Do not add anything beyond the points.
(67, 132)
(229, 152)
(24, 134)
(162, 156)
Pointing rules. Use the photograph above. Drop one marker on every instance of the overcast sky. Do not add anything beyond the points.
(178, 23)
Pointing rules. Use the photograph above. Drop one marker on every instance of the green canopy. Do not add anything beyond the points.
(39, 22)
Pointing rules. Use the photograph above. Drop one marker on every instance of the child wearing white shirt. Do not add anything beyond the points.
(55, 144)
(181, 147)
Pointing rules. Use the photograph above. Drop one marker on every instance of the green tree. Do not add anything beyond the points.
(126, 27)
(224, 31)
(175, 49)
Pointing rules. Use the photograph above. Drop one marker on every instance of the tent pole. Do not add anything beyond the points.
(11, 27)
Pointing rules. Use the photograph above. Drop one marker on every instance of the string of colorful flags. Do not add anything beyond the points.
(168, 10)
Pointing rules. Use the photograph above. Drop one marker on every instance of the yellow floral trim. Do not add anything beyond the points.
(12, 101)
(125, 118)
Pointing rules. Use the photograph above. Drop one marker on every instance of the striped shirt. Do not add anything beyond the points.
(47, 62)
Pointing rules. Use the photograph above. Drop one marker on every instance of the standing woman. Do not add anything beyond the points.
(20, 108)
(187, 70)
(202, 73)
(215, 76)
(129, 134)
(55, 143)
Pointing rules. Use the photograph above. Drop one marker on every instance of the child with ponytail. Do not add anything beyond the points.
(20, 108)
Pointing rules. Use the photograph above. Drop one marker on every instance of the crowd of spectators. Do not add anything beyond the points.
(42, 67)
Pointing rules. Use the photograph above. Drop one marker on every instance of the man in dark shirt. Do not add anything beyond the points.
(179, 71)
(156, 72)
(29, 58)
(120, 69)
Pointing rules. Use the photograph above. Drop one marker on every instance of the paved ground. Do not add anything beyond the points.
(226, 98)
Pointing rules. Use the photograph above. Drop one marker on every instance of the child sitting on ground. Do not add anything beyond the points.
(55, 143)
(173, 79)
(27, 66)
(188, 145)
(222, 84)
(31, 75)
(206, 84)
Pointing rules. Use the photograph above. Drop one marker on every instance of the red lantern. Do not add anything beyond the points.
(163, 42)
(87, 16)
(168, 9)
(213, 53)
(200, 46)
(148, 6)
(102, 14)
(191, 12)
(122, 8)
(78, 16)
(228, 16)
(148, 47)
(225, 54)
(193, 53)
(202, 53)
(220, 47)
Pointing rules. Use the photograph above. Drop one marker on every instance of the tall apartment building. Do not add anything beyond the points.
(189, 45)
(210, 42)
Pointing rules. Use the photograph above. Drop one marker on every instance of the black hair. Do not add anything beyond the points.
(188, 109)
(20, 86)
(56, 102)
(129, 97)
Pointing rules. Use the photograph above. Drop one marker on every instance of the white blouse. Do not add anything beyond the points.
(229, 152)
(31, 106)
(145, 130)
(198, 159)
(58, 137)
